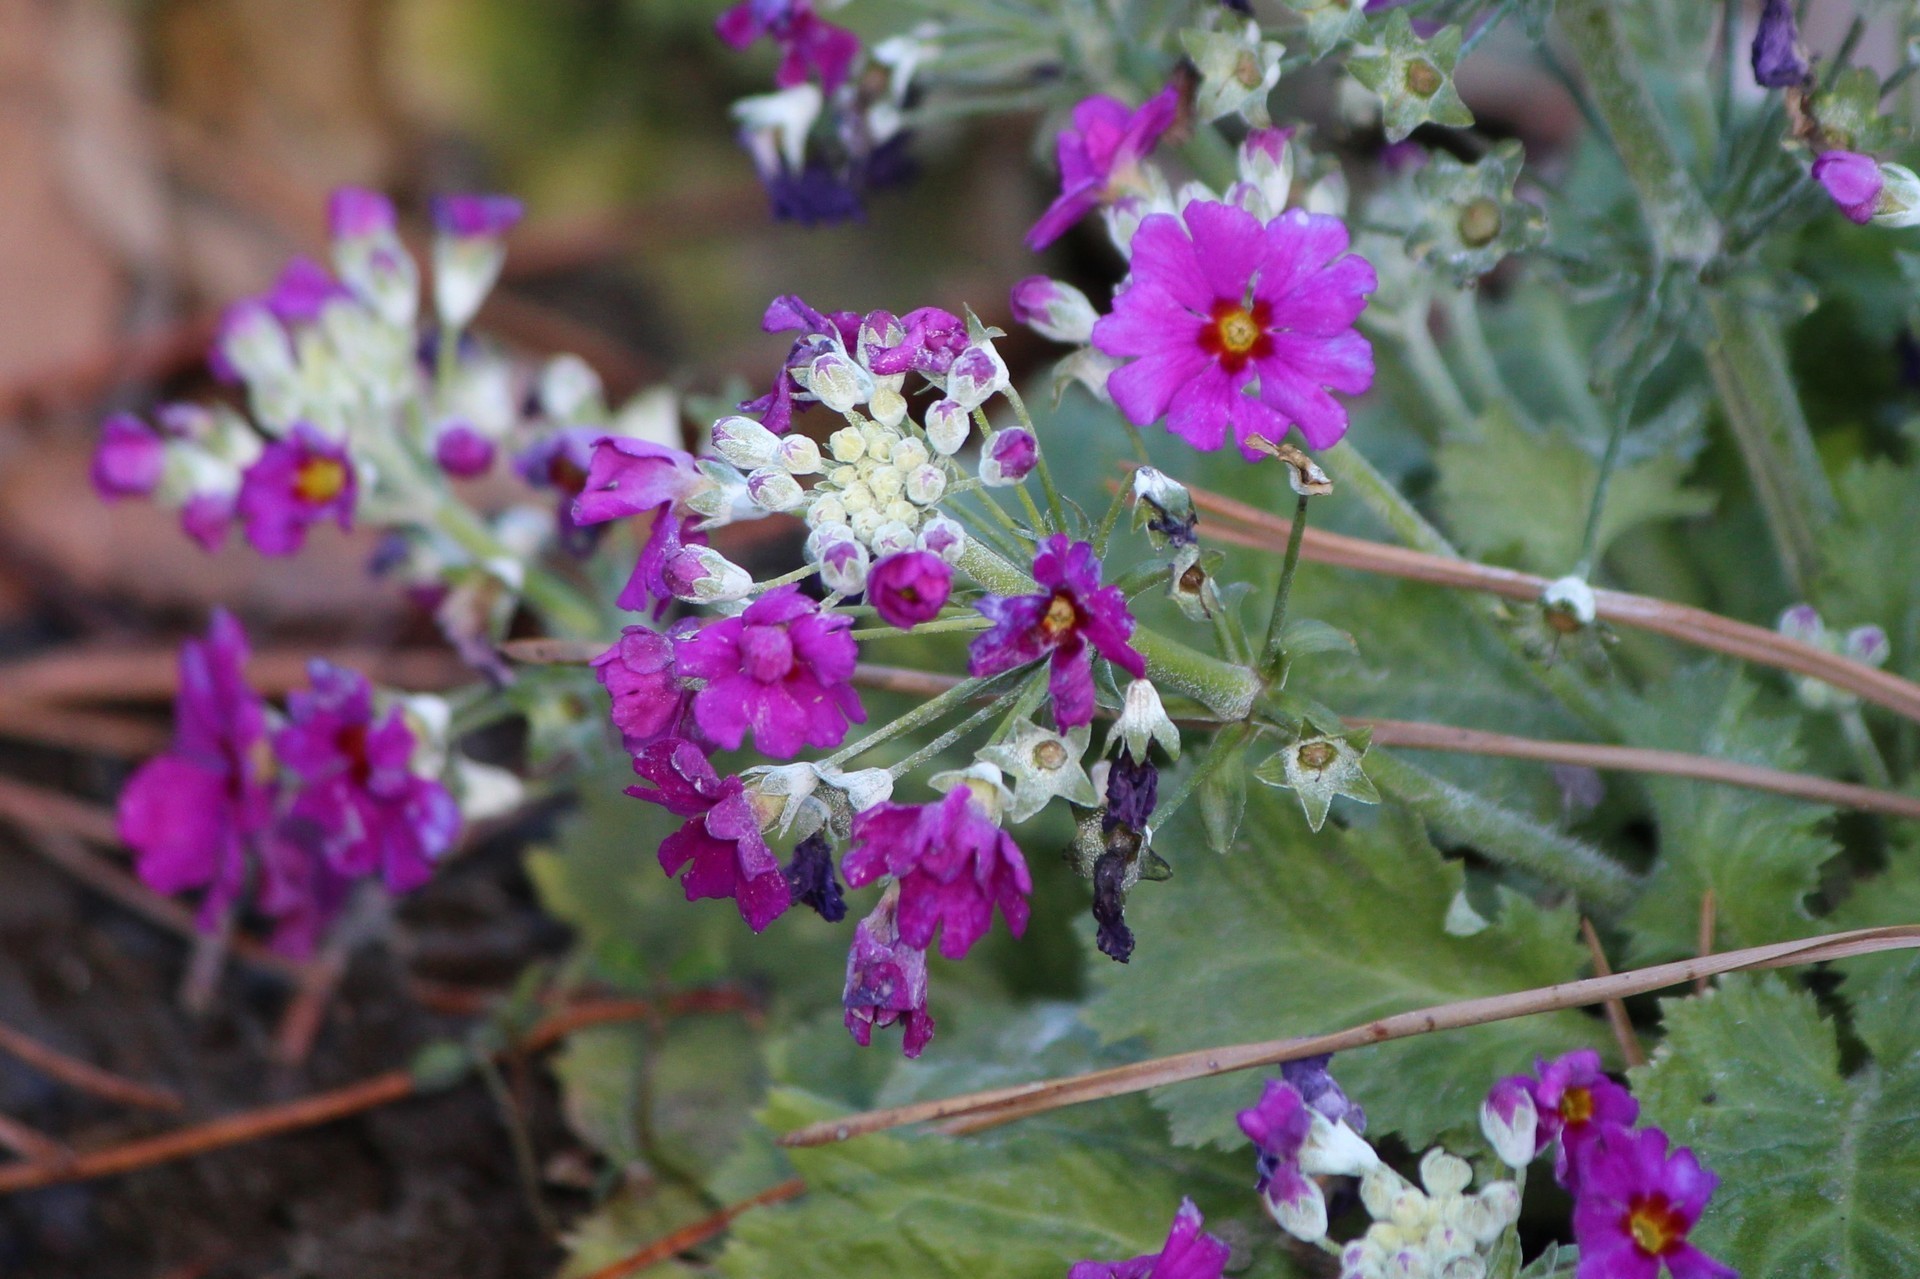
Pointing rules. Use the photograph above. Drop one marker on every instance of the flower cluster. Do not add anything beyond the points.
(287, 811)
(1635, 1201)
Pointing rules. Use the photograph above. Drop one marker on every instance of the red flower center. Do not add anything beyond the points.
(1061, 617)
(1576, 1105)
(319, 480)
(1656, 1225)
(351, 741)
(1236, 334)
(564, 474)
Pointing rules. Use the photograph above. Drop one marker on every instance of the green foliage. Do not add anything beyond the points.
(1759, 853)
(1819, 1169)
(1294, 934)
(1870, 559)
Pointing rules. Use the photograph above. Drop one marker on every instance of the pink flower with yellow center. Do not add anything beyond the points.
(296, 483)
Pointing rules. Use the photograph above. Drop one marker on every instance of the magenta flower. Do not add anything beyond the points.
(1778, 60)
(1100, 157)
(356, 213)
(909, 588)
(779, 669)
(650, 702)
(624, 477)
(1576, 1103)
(192, 815)
(484, 217)
(1217, 300)
(720, 846)
(1278, 1125)
(206, 517)
(1187, 1254)
(1636, 1205)
(129, 458)
(1853, 181)
(886, 982)
(806, 42)
(360, 804)
(296, 483)
(1071, 613)
(463, 452)
(302, 291)
(953, 866)
(298, 889)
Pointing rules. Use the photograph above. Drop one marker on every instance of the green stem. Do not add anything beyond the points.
(1226, 747)
(933, 748)
(1866, 752)
(945, 626)
(1276, 648)
(1609, 461)
(1428, 367)
(925, 713)
(1483, 371)
(1046, 474)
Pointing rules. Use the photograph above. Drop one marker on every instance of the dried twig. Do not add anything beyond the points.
(337, 1103)
(101, 674)
(975, 1110)
(30, 1143)
(99, 732)
(1708, 908)
(84, 1076)
(692, 1236)
(1617, 1019)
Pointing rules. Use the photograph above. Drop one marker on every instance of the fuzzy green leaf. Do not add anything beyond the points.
(1759, 853)
(1871, 561)
(1819, 1172)
(1295, 934)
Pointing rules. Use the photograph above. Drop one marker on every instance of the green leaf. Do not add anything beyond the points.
(1025, 1201)
(1296, 934)
(1760, 853)
(1871, 561)
(1819, 1172)
(1521, 496)
(1556, 1261)
(637, 1215)
(1222, 800)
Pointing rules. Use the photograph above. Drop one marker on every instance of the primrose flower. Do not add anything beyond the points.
(1187, 1254)
(1280, 1125)
(811, 878)
(296, 483)
(129, 458)
(1100, 157)
(886, 981)
(627, 476)
(808, 45)
(720, 841)
(468, 251)
(1054, 309)
(1852, 180)
(909, 588)
(1317, 1087)
(1071, 615)
(953, 865)
(192, 814)
(1216, 300)
(360, 803)
(1576, 1103)
(650, 702)
(779, 669)
(1778, 60)
(1637, 1204)
(1511, 1121)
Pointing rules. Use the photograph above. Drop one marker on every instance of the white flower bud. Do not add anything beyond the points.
(843, 566)
(838, 382)
(880, 442)
(902, 511)
(856, 498)
(1304, 1216)
(848, 444)
(256, 345)
(864, 523)
(570, 390)
(864, 787)
(925, 484)
(844, 476)
(943, 537)
(907, 454)
(886, 483)
(948, 426)
(1898, 204)
(1336, 1150)
(1571, 598)
(888, 405)
(891, 538)
(485, 790)
(1143, 721)
(773, 489)
(1444, 1175)
(464, 270)
(1054, 310)
(745, 443)
(978, 374)
(702, 575)
(798, 455)
(826, 509)
(1510, 1121)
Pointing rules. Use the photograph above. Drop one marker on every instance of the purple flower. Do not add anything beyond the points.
(463, 452)
(294, 484)
(355, 213)
(206, 517)
(626, 476)
(1278, 1126)
(1100, 157)
(909, 588)
(1071, 612)
(1111, 933)
(816, 195)
(298, 889)
(302, 291)
(360, 801)
(1317, 1087)
(720, 846)
(1009, 457)
(129, 458)
(1778, 60)
(953, 866)
(1636, 1205)
(886, 982)
(486, 217)
(1576, 1103)
(192, 815)
(779, 669)
(1132, 789)
(1187, 1254)
(649, 701)
(1853, 181)
(1217, 300)
(810, 876)
(930, 340)
(806, 42)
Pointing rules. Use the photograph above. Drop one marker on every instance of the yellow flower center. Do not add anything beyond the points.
(1656, 1228)
(1061, 615)
(1576, 1105)
(319, 480)
(1238, 332)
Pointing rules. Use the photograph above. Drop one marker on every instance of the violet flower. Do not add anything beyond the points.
(463, 452)
(302, 291)
(886, 982)
(128, 459)
(1071, 615)
(909, 588)
(720, 845)
(650, 702)
(476, 216)
(192, 815)
(562, 461)
(1100, 157)
(1217, 300)
(1278, 1125)
(1636, 1206)
(298, 889)
(953, 866)
(1318, 1088)
(1187, 1254)
(807, 43)
(359, 800)
(1576, 1103)
(810, 876)
(627, 476)
(357, 213)
(1778, 60)
(779, 670)
(1854, 182)
(295, 483)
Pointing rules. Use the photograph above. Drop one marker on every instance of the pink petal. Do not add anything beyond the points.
(1230, 246)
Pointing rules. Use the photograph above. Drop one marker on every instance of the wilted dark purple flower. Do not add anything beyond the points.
(1778, 60)
(953, 866)
(779, 670)
(1072, 617)
(886, 981)
(1132, 788)
(810, 876)
(909, 588)
(1187, 1254)
(1112, 935)
(720, 846)
(295, 483)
